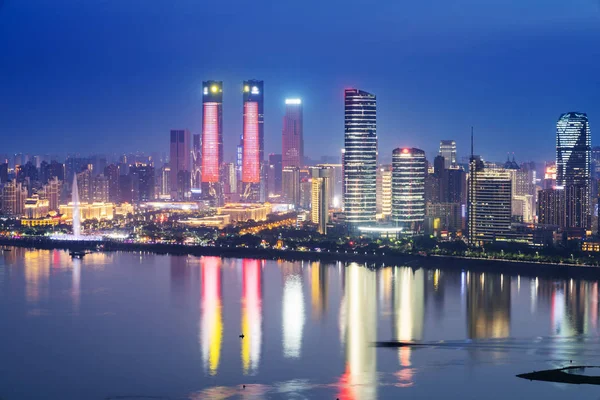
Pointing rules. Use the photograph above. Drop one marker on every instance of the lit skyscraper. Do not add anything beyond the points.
(274, 174)
(290, 180)
(573, 149)
(253, 142)
(321, 185)
(292, 136)
(490, 202)
(180, 163)
(196, 161)
(448, 151)
(384, 191)
(360, 157)
(212, 140)
(408, 188)
(573, 158)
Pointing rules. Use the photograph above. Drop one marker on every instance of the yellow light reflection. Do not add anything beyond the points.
(251, 316)
(358, 317)
(212, 321)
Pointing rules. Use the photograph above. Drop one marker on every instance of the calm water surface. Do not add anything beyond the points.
(127, 324)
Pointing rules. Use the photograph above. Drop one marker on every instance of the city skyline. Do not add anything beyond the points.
(132, 103)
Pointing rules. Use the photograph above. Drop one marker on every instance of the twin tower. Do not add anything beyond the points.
(197, 168)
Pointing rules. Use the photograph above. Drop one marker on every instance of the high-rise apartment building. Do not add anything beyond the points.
(290, 180)
(551, 207)
(490, 204)
(112, 174)
(573, 160)
(165, 181)
(384, 191)
(179, 161)
(84, 184)
(142, 178)
(448, 151)
(13, 198)
(292, 139)
(274, 173)
(305, 193)
(253, 142)
(408, 188)
(212, 141)
(321, 185)
(360, 157)
(51, 192)
(100, 189)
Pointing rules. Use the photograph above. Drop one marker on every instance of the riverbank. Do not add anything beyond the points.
(525, 268)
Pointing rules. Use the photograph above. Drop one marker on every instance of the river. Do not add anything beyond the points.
(139, 325)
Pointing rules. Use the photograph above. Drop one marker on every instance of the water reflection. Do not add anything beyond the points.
(211, 321)
(488, 305)
(574, 308)
(358, 316)
(330, 315)
(293, 315)
(408, 299)
(319, 289)
(76, 282)
(251, 315)
(37, 271)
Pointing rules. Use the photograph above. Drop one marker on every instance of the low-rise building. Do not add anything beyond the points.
(242, 212)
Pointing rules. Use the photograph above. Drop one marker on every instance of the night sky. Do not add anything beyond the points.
(116, 75)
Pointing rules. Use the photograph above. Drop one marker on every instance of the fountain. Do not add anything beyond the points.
(76, 211)
(76, 235)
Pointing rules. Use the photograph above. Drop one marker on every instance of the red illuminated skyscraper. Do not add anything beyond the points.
(253, 143)
(212, 141)
(292, 138)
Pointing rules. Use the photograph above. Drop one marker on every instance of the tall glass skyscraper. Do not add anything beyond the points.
(573, 161)
(292, 140)
(253, 142)
(408, 188)
(360, 157)
(573, 149)
(212, 141)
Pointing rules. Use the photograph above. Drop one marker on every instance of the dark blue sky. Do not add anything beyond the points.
(116, 75)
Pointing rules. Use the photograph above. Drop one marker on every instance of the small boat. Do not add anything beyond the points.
(77, 254)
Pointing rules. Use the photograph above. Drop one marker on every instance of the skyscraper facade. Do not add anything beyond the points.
(573, 149)
(196, 161)
(408, 188)
(212, 141)
(291, 185)
(292, 139)
(448, 151)
(253, 142)
(321, 185)
(573, 160)
(274, 175)
(490, 204)
(551, 207)
(384, 191)
(180, 163)
(360, 157)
